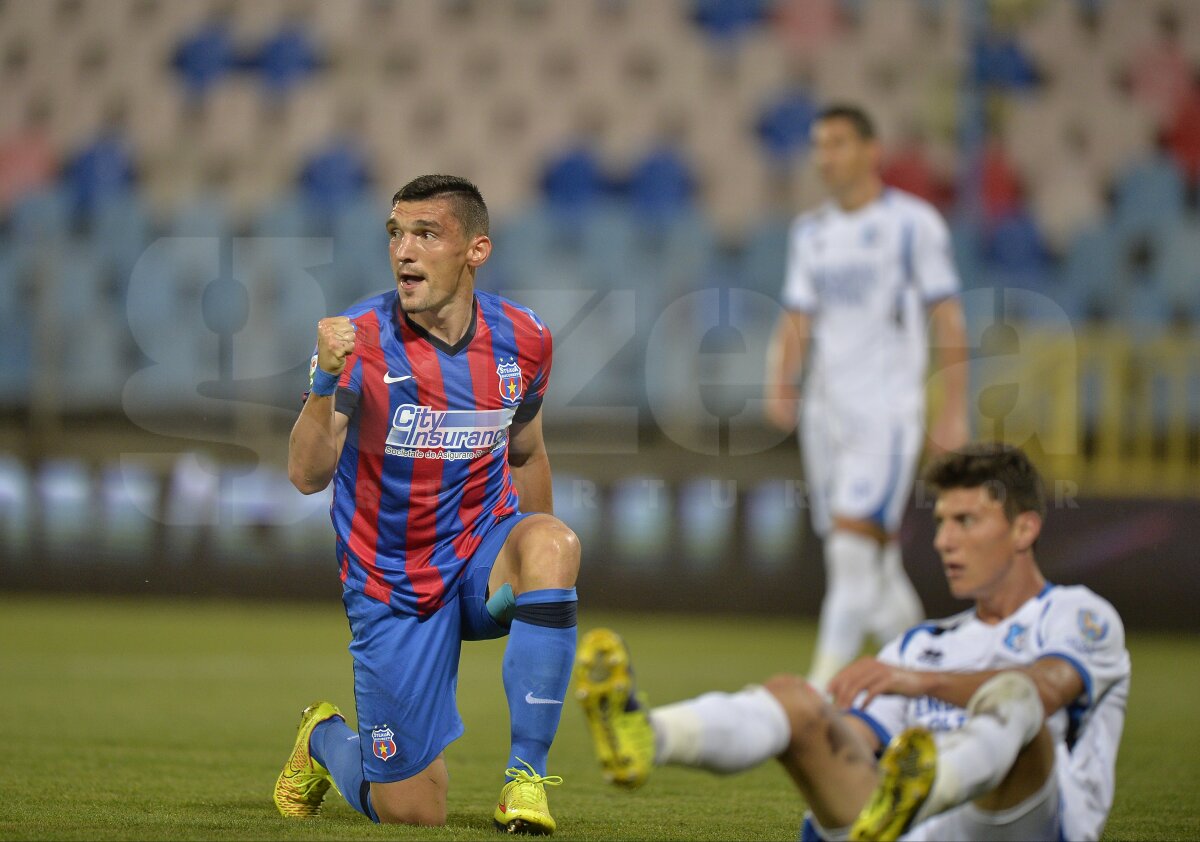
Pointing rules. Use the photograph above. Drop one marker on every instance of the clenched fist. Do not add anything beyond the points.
(335, 342)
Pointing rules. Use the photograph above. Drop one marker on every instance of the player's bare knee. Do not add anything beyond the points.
(800, 701)
(549, 554)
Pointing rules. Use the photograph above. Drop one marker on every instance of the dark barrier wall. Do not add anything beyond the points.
(696, 545)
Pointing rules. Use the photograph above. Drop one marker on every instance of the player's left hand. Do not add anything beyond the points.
(874, 678)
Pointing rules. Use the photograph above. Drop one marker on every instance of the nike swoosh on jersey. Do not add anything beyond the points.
(387, 377)
(534, 700)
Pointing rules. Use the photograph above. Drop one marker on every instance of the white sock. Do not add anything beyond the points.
(851, 596)
(899, 607)
(1005, 714)
(721, 732)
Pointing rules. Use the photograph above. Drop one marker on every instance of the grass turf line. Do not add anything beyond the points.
(170, 719)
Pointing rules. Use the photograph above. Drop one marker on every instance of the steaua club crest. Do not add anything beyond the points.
(382, 743)
(510, 381)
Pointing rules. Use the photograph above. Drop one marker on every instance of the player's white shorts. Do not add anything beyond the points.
(1039, 817)
(859, 467)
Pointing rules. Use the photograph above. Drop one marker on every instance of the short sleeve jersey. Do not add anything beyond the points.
(867, 278)
(1072, 623)
(424, 474)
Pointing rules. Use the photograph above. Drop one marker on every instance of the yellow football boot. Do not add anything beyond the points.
(616, 715)
(302, 784)
(906, 772)
(523, 807)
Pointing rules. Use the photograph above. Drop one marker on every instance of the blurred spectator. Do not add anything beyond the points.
(103, 170)
(207, 55)
(27, 157)
(724, 20)
(908, 168)
(1159, 73)
(786, 120)
(287, 58)
(1183, 135)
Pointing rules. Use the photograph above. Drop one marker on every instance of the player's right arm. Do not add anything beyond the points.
(1057, 680)
(785, 362)
(319, 433)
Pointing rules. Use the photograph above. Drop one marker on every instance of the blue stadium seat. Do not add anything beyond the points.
(16, 325)
(40, 217)
(205, 57)
(967, 240)
(282, 216)
(1017, 250)
(202, 216)
(764, 260)
(360, 253)
(541, 249)
(1149, 194)
(1179, 263)
(1089, 273)
(165, 312)
(287, 58)
(785, 123)
(93, 362)
(120, 232)
(661, 185)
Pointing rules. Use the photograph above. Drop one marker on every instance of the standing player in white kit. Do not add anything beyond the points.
(870, 275)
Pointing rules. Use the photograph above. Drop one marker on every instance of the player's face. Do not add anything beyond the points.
(432, 257)
(843, 158)
(977, 542)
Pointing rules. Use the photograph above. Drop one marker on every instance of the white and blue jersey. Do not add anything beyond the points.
(866, 278)
(1071, 623)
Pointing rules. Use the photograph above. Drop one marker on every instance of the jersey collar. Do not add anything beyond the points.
(440, 344)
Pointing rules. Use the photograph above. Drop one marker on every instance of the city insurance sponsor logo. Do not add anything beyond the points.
(421, 432)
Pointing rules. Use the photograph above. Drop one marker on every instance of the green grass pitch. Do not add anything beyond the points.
(129, 719)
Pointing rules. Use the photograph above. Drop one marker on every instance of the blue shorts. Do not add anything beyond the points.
(406, 668)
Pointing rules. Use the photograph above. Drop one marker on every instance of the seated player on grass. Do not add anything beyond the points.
(1001, 722)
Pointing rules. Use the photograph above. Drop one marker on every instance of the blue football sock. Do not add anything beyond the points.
(335, 747)
(537, 670)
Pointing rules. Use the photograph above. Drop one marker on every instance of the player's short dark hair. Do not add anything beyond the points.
(1005, 471)
(469, 207)
(863, 125)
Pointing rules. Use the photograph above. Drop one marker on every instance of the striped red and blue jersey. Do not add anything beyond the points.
(424, 471)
